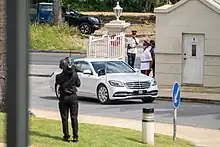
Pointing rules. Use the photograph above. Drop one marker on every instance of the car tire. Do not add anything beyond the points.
(102, 94)
(148, 100)
(85, 28)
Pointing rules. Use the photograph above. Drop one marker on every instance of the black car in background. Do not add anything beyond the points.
(86, 24)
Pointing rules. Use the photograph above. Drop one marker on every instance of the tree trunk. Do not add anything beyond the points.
(57, 12)
(2, 56)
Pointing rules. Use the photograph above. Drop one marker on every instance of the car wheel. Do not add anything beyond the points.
(102, 94)
(85, 28)
(148, 100)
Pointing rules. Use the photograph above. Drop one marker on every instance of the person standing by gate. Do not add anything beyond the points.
(146, 59)
(132, 48)
(68, 81)
(152, 44)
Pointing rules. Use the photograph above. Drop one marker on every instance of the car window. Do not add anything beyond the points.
(47, 8)
(112, 67)
(98, 65)
(78, 66)
(84, 66)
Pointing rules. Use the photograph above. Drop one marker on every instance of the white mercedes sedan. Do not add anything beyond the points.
(112, 79)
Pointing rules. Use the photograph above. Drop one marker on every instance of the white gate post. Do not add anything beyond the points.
(89, 47)
(123, 46)
(108, 46)
(115, 27)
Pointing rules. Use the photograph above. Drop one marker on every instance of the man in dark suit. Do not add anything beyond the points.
(68, 82)
(152, 51)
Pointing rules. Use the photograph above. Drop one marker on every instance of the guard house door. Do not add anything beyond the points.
(193, 53)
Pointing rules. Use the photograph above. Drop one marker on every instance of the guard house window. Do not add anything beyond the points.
(194, 50)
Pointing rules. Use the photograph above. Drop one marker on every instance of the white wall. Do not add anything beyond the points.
(191, 17)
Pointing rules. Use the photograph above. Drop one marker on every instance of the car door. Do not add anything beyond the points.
(89, 82)
(73, 18)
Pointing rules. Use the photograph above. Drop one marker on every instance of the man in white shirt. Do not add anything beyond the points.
(132, 48)
(146, 59)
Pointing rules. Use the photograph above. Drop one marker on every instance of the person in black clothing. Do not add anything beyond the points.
(68, 81)
(152, 43)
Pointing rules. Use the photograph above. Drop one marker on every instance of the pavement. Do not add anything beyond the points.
(198, 97)
(198, 136)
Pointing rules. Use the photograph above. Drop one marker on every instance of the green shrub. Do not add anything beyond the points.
(44, 36)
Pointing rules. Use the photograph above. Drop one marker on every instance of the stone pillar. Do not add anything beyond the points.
(118, 26)
(114, 26)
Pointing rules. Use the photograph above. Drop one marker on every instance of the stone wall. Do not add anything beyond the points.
(133, 18)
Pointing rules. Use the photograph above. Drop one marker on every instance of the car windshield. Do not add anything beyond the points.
(47, 8)
(74, 12)
(112, 66)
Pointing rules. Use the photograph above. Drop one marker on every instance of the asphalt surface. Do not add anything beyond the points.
(54, 58)
(41, 96)
(197, 115)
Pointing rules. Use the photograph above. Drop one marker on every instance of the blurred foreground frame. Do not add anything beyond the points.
(2, 57)
(16, 38)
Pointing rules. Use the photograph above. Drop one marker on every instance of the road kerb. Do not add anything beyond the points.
(40, 75)
(191, 100)
(57, 51)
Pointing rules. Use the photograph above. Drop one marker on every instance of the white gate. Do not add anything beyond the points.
(107, 46)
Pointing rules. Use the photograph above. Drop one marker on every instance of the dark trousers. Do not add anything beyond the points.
(69, 103)
(131, 59)
(153, 68)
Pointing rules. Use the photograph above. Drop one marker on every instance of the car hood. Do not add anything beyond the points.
(128, 77)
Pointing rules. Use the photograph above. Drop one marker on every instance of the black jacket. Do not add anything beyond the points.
(68, 81)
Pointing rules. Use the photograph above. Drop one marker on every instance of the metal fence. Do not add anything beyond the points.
(107, 46)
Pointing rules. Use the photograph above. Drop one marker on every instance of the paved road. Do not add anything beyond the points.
(49, 58)
(198, 115)
(54, 58)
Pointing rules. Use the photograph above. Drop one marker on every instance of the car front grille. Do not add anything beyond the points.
(138, 85)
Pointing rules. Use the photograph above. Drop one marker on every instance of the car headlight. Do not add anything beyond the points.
(116, 83)
(153, 82)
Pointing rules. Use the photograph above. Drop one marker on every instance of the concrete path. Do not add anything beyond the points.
(199, 136)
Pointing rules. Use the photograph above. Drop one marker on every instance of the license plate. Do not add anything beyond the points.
(140, 92)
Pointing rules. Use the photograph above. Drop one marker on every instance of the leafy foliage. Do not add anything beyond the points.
(107, 5)
(55, 37)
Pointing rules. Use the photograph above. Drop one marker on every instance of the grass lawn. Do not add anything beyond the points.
(55, 37)
(47, 133)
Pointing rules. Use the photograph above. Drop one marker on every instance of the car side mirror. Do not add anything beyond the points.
(101, 72)
(87, 71)
(137, 70)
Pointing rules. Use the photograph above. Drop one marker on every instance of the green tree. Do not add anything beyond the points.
(57, 12)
